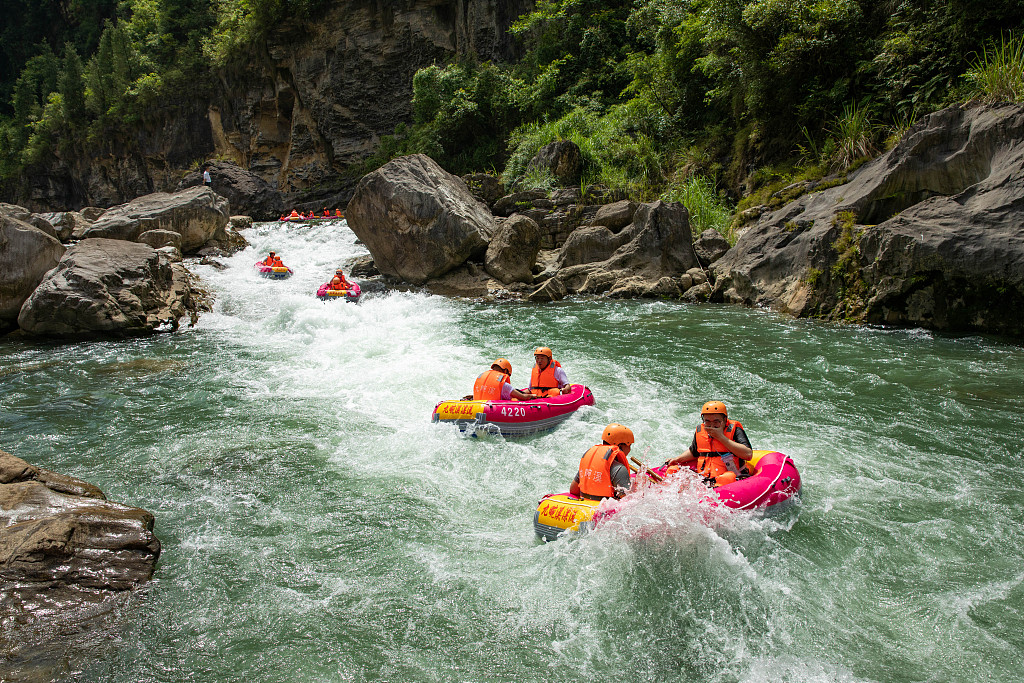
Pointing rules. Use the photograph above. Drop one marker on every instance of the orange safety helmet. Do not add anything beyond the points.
(503, 364)
(336, 280)
(616, 434)
(714, 408)
(543, 351)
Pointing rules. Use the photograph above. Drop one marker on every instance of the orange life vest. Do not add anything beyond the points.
(544, 380)
(337, 212)
(596, 470)
(294, 214)
(710, 452)
(278, 263)
(488, 386)
(269, 261)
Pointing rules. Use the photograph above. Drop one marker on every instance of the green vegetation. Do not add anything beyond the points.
(701, 101)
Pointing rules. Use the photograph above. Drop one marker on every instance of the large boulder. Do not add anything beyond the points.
(65, 223)
(197, 214)
(928, 234)
(418, 220)
(512, 252)
(110, 287)
(245, 190)
(657, 244)
(26, 254)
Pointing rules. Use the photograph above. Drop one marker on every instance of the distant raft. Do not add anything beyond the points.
(774, 479)
(351, 294)
(273, 272)
(513, 418)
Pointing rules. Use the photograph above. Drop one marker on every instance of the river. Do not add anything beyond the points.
(316, 526)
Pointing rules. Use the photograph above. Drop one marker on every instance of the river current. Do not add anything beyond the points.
(316, 526)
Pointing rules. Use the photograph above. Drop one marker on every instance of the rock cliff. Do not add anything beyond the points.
(927, 235)
(295, 110)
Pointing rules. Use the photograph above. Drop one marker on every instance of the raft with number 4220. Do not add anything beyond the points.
(513, 418)
(774, 479)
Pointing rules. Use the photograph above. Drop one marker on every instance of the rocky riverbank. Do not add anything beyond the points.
(68, 558)
(114, 272)
(925, 235)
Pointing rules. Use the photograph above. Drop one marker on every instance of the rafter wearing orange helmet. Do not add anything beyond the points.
(548, 378)
(495, 384)
(604, 469)
(720, 446)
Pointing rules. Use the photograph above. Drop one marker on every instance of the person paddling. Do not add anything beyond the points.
(604, 469)
(269, 261)
(495, 384)
(720, 446)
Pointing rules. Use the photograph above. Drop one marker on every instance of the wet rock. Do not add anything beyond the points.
(26, 254)
(512, 252)
(110, 287)
(363, 266)
(239, 223)
(418, 220)
(68, 557)
(197, 214)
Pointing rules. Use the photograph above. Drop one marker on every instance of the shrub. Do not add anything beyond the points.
(997, 75)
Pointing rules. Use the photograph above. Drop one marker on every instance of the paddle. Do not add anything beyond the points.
(652, 475)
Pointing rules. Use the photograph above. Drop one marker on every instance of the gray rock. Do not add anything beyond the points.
(512, 252)
(589, 244)
(485, 187)
(616, 215)
(197, 214)
(552, 290)
(928, 234)
(110, 287)
(26, 254)
(244, 190)
(710, 246)
(66, 223)
(240, 222)
(418, 220)
(91, 213)
(161, 238)
(563, 158)
(518, 202)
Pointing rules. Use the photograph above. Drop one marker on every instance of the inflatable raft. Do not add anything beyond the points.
(273, 272)
(775, 479)
(351, 294)
(513, 418)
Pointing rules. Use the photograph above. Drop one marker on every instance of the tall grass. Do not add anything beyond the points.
(998, 73)
(707, 209)
(853, 134)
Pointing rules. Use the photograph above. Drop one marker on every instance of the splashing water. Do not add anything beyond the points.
(317, 527)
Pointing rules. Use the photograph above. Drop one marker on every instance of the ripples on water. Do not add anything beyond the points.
(317, 527)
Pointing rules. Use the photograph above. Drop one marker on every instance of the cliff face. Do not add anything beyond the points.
(298, 109)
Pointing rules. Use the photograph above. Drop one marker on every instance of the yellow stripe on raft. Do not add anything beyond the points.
(565, 512)
(460, 410)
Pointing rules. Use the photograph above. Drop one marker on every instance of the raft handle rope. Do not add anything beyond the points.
(770, 486)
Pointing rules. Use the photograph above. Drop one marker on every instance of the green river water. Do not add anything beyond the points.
(316, 526)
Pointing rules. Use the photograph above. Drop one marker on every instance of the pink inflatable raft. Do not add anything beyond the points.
(512, 418)
(351, 294)
(775, 479)
(273, 272)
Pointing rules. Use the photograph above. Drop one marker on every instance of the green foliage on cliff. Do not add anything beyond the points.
(657, 91)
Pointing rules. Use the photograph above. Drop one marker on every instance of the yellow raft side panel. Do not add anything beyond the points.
(460, 410)
(565, 512)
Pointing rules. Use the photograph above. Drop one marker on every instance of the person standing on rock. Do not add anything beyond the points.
(207, 180)
(548, 378)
